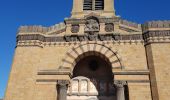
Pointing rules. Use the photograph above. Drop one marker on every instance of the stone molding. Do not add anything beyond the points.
(134, 72)
(76, 38)
(83, 21)
(130, 24)
(156, 37)
(156, 24)
(67, 72)
(75, 21)
(41, 40)
(41, 29)
(54, 72)
(75, 54)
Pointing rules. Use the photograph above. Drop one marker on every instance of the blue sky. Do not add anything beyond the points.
(14, 13)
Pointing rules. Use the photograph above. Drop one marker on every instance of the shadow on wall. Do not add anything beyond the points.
(126, 92)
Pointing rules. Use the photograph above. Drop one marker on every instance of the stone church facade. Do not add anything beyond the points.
(93, 55)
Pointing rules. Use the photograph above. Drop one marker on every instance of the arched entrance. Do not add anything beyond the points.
(92, 78)
(90, 67)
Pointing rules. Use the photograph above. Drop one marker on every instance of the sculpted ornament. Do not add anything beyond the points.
(75, 28)
(109, 27)
(92, 25)
(120, 84)
(63, 82)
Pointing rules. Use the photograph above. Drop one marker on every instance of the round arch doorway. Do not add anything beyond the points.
(92, 78)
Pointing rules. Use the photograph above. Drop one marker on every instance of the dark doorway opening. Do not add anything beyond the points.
(97, 68)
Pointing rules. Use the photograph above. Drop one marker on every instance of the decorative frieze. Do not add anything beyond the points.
(148, 37)
(86, 37)
(156, 37)
(75, 21)
(109, 20)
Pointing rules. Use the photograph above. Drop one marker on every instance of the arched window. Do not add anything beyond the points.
(93, 5)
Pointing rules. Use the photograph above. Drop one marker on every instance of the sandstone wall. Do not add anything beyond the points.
(28, 61)
(158, 59)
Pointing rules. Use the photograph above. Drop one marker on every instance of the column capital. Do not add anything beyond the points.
(120, 89)
(63, 82)
(120, 84)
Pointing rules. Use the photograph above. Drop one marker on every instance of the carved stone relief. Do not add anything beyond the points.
(75, 28)
(109, 27)
(92, 25)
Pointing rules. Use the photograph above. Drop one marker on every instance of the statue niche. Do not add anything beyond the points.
(92, 25)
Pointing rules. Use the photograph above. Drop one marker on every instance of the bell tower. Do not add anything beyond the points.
(82, 8)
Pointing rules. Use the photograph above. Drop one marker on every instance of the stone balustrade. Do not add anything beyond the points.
(41, 29)
(130, 24)
(156, 24)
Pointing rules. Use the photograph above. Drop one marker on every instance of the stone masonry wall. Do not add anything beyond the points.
(29, 60)
(158, 59)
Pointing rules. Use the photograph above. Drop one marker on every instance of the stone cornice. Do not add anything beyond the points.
(156, 37)
(101, 20)
(147, 38)
(135, 72)
(42, 40)
(53, 72)
(74, 38)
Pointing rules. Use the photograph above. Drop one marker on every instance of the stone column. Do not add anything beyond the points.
(120, 90)
(62, 89)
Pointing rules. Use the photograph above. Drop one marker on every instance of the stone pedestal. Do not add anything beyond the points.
(62, 89)
(120, 90)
